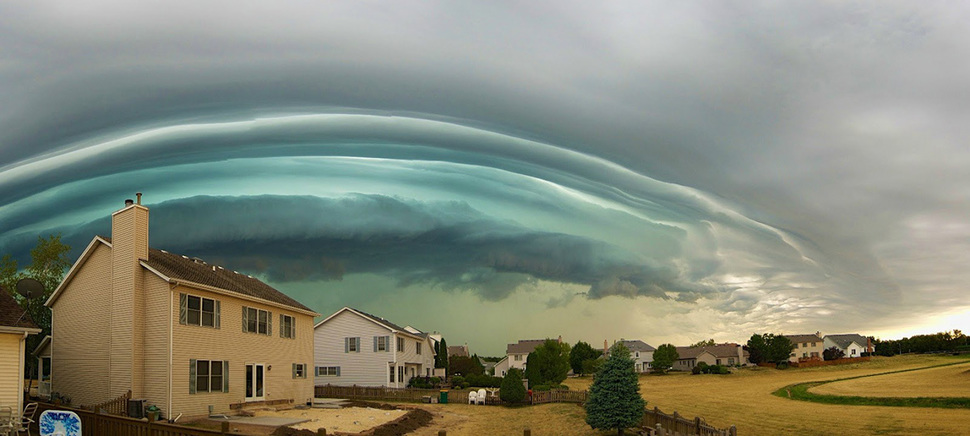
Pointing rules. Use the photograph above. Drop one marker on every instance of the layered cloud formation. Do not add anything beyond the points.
(695, 170)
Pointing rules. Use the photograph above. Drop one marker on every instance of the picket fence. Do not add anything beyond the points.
(102, 424)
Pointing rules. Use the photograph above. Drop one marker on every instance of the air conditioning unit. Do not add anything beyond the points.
(136, 408)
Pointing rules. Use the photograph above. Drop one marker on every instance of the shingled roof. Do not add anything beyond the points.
(11, 314)
(719, 350)
(803, 338)
(525, 346)
(182, 268)
(637, 345)
(843, 341)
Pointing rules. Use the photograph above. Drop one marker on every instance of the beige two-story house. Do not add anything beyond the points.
(15, 326)
(807, 347)
(187, 336)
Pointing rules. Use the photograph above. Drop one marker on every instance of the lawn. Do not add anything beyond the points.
(946, 381)
(745, 400)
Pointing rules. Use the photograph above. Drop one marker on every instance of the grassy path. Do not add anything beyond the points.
(800, 391)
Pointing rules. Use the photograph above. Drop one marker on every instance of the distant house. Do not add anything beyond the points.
(807, 347)
(43, 355)
(853, 345)
(458, 350)
(720, 354)
(352, 347)
(182, 334)
(641, 352)
(516, 355)
(15, 326)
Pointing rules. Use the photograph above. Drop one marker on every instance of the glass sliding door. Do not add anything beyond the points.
(254, 382)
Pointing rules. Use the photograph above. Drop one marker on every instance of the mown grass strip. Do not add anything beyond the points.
(799, 391)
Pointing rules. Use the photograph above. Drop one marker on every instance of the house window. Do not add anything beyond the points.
(194, 310)
(417, 348)
(400, 374)
(381, 343)
(351, 345)
(207, 376)
(299, 370)
(257, 321)
(287, 326)
(46, 362)
(328, 371)
(731, 361)
(805, 345)
(400, 344)
(392, 373)
(637, 354)
(853, 352)
(518, 357)
(717, 361)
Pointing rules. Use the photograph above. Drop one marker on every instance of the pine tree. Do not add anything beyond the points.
(614, 397)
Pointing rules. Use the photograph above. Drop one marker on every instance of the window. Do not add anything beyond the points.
(351, 345)
(287, 326)
(381, 344)
(392, 373)
(400, 344)
(853, 352)
(417, 348)
(257, 321)
(637, 354)
(208, 376)
(717, 361)
(46, 363)
(194, 310)
(805, 345)
(518, 357)
(299, 370)
(731, 361)
(328, 371)
(400, 374)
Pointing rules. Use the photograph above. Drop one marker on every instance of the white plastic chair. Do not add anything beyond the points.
(481, 396)
(472, 397)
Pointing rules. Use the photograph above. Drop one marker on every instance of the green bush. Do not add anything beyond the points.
(512, 390)
(483, 381)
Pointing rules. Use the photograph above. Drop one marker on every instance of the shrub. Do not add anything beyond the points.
(512, 390)
(695, 370)
(457, 380)
(483, 381)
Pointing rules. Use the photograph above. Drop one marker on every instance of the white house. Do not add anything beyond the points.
(853, 345)
(516, 355)
(352, 347)
(641, 352)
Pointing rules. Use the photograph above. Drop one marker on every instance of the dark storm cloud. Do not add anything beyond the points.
(794, 149)
(448, 245)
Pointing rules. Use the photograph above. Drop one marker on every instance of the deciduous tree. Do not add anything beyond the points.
(580, 353)
(548, 364)
(664, 358)
(512, 390)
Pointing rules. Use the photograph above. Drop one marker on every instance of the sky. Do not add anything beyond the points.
(495, 171)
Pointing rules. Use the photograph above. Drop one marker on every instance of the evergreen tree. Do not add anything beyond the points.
(614, 398)
(443, 356)
(512, 390)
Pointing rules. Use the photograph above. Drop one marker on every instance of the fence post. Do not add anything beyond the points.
(734, 431)
(527, 432)
(697, 424)
(660, 430)
(442, 433)
(321, 432)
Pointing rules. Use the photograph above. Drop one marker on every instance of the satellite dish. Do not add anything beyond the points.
(30, 288)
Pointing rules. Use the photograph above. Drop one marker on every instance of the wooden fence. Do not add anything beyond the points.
(454, 395)
(662, 424)
(117, 406)
(814, 363)
(99, 424)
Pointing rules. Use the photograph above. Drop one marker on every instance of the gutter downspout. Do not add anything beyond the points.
(23, 351)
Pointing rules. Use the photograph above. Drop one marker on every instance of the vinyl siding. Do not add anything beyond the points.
(365, 368)
(230, 343)
(154, 351)
(11, 378)
(410, 358)
(81, 325)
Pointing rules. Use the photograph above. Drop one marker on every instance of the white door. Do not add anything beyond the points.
(254, 382)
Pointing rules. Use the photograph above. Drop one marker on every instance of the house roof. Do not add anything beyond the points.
(803, 338)
(377, 320)
(12, 315)
(843, 341)
(177, 268)
(719, 350)
(523, 346)
(458, 350)
(182, 268)
(637, 345)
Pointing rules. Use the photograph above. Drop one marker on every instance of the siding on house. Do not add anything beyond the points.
(230, 343)
(156, 316)
(80, 322)
(11, 372)
(363, 368)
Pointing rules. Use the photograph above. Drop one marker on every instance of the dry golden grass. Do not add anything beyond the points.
(744, 399)
(947, 381)
(546, 419)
